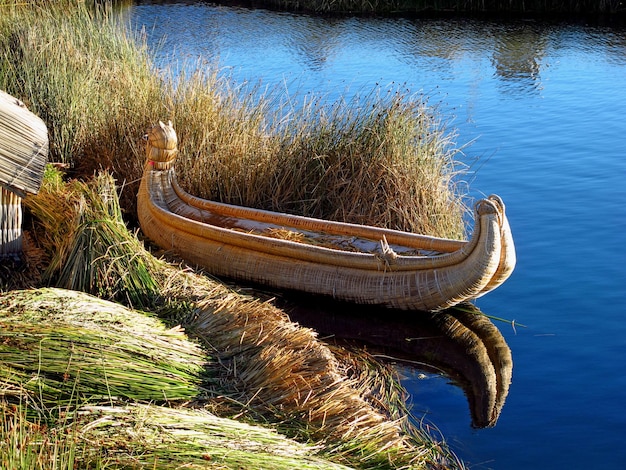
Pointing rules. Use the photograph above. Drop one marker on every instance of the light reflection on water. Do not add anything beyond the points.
(546, 103)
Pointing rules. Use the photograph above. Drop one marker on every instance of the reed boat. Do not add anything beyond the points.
(348, 262)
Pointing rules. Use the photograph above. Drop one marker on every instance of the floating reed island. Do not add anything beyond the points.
(249, 360)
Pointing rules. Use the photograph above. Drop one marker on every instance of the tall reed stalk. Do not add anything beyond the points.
(31, 444)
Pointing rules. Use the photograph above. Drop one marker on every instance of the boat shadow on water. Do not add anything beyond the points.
(460, 341)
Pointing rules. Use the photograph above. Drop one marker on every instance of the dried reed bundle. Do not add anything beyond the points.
(166, 438)
(145, 436)
(60, 347)
(282, 368)
(93, 250)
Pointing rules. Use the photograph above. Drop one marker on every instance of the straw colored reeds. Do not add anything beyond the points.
(277, 371)
(23, 146)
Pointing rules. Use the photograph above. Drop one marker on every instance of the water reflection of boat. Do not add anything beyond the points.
(354, 263)
(461, 341)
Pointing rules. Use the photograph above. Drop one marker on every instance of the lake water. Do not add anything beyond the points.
(546, 106)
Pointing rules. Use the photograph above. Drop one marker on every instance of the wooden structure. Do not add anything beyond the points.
(23, 156)
(348, 262)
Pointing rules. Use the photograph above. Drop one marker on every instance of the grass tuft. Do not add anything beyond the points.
(62, 347)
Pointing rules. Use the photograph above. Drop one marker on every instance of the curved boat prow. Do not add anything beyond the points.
(508, 257)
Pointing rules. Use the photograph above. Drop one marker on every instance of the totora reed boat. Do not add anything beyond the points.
(348, 262)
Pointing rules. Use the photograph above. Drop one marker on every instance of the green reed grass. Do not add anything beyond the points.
(173, 438)
(28, 444)
(145, 436)
(62, 347)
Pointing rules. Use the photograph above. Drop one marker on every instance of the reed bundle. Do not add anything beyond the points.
(282, 370)
(92, 250)
(23, 155)
(174, 437)
(63, 347)
(146, 436)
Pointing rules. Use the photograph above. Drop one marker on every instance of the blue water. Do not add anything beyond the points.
(545, 105)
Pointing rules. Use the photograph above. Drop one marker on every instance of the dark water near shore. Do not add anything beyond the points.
(546, 104)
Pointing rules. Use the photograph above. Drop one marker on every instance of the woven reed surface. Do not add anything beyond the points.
(284, 264)
(10, 223)
(508, 257)
(23, 146)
